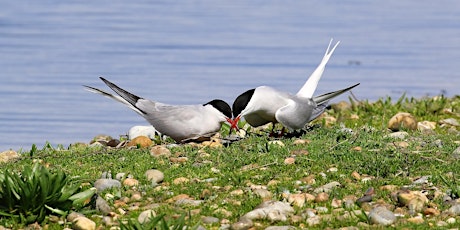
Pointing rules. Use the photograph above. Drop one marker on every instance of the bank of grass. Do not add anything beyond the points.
(214, 173)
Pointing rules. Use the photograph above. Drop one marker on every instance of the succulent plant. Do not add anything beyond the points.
(36, 192)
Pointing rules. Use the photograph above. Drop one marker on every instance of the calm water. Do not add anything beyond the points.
(193, 51)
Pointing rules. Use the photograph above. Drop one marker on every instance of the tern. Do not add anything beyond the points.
(182, 123)
(264, 104)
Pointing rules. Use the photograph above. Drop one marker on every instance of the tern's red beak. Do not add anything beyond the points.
(234, 124)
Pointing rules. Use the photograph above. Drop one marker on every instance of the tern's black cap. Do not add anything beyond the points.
(242, 101)
(222, 106)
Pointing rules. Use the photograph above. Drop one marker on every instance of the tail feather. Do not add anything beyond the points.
(129, 97)
(125, 97)
(321, 99)
(308, 89)
(318, 111)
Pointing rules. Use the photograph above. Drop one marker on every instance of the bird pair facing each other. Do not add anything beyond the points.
(257, 106)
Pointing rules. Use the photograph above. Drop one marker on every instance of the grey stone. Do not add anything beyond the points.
(454, 210)
(280, 228)
(209, 219)
(382, 216)
(102, 205)
(327, 188)
(146, 216)
(103, 184)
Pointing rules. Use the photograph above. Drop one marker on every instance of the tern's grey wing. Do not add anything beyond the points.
(182, 122)
(296, 114)
(328, 96)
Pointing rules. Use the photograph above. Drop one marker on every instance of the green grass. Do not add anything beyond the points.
(213, 176)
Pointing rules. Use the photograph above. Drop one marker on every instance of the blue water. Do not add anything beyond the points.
(185, 52)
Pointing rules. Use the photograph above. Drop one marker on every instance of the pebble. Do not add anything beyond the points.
(113, 143)
(321, 209)
(136, 196)
(242, 224)
(102, 205)
(327, 188)
(209, 219)
(237, 192)
(401, 144)
(74, 215)
(271, 210)
(426, 126)
(442, 223)
(120, 176)
(141, 141)
(402, 121)
(416, 220)
(300, 199)
(154, 175)
(141, 130)
(130, 182)
(145, 216)
(8, 155)
(301, 142)
(364, 199)
(431, 212)
(178, 159)
(321, 197)
(159, 151)
(83, 223)
(280, 228)
(422, 180)
(299, 152)
(449, 121)
(357, 148)
(276, 142)
(398, 135)
(189, 201)
(456, 153)
(349, 201)
(101, 138)
(314, 220)
(289, 160)
(98, 144)
(354, 117)
(414, 200)
(328, 120)
(382, 216)
(451, 220)
(263, 193)
(356, 175)
(103, 184)
(438, 143)
(454, 210)
(336, 203)
(180, 180)
(389, 187)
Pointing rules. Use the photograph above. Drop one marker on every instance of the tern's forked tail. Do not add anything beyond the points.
(308, 89)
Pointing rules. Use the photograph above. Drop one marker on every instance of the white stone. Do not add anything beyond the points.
(148, 131)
